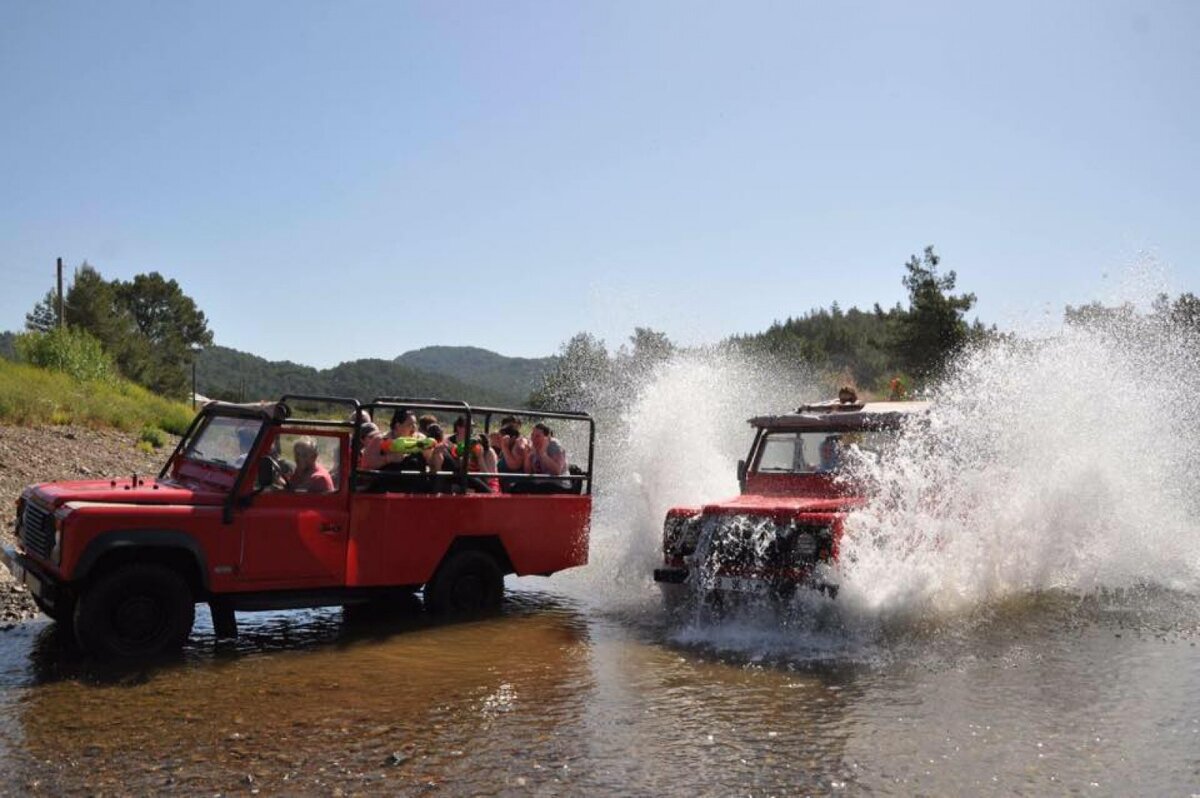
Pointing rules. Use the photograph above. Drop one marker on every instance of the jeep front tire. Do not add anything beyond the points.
(133, 611)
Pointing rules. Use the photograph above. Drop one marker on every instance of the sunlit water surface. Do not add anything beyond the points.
(1045, 694)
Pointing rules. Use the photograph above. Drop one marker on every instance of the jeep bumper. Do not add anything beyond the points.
(670, 576)
(28, 573)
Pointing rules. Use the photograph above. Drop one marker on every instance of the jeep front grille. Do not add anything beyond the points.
(37, 530)
(752, 544)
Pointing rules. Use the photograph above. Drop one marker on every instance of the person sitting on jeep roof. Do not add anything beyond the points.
(309, 476)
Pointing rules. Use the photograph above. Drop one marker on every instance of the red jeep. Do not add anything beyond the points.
(797, 486)
(124, 561)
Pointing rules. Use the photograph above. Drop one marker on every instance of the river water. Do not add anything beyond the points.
(1019, 614)
(1046, 694)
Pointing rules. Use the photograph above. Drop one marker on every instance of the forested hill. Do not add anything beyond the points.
(224, 373)
(513, 376)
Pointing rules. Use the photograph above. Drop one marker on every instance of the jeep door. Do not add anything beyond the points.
(294, 531)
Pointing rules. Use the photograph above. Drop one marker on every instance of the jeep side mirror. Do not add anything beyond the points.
(741, 472)
(268, 472)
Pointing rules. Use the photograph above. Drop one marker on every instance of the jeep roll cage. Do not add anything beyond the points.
(276, 413)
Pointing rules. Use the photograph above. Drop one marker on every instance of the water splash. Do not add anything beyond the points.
(1061, 464)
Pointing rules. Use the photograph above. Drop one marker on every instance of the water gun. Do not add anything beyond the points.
(406, 445)
(461, 449)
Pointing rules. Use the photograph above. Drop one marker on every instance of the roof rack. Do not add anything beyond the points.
(830, 406)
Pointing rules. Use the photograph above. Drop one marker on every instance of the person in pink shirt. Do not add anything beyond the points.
(309, 475)
(372, 457)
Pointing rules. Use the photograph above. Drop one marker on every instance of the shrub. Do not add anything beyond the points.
(67, 349)
(153, 436)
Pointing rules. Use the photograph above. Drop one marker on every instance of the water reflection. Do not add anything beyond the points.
(302, 703)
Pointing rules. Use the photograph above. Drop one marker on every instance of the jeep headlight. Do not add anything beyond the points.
(680, 534)
(60, 521)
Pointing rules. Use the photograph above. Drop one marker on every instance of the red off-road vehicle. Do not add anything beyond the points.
(785, 529)
(124, 561)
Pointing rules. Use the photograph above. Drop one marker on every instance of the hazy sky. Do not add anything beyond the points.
(341, 180)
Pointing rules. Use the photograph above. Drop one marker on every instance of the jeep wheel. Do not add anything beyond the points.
(62, 614)
(136, 610)
(469, 581)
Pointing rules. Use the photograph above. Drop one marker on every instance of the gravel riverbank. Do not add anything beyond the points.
(44, 454)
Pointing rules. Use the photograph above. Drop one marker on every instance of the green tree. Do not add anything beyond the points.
(167, 328)
(583, 368)
(44, 316)
(933, 328)
(148, 326)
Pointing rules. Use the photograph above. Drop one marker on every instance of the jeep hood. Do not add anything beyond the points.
(123, 491)
(779, 507)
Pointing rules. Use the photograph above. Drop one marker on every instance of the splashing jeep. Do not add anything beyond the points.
(805, 471)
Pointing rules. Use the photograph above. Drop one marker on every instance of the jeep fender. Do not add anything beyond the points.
(160, 540)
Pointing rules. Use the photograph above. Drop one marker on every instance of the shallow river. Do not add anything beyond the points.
(1050, 694)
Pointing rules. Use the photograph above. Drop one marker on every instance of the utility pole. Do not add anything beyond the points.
(60, 295)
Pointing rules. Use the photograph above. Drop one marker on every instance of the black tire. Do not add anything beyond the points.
(62, 614)
(136, 610)
(467, 582)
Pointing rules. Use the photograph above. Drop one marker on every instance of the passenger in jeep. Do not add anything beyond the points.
(371, 440)
(309, 476)
(483, 461)
(547, 457)
(514, 448)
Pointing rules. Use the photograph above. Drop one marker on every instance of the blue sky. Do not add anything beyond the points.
(342, 180)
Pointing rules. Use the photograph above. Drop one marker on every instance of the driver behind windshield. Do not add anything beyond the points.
(831, 454)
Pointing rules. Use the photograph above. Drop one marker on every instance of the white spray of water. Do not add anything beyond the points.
(1064, 464)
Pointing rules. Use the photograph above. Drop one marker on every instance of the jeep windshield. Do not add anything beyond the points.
(820, 451)
(223, 441)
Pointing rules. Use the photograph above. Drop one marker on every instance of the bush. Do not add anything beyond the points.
(67, 349)
(153, 436)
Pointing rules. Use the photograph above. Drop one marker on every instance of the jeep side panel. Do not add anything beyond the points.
(400, 538)
(92, 533)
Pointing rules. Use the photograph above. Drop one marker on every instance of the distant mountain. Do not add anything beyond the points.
(224, 373)
(512, 376)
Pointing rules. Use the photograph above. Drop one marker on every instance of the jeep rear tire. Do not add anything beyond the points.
(136, 610)
(467, 582)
